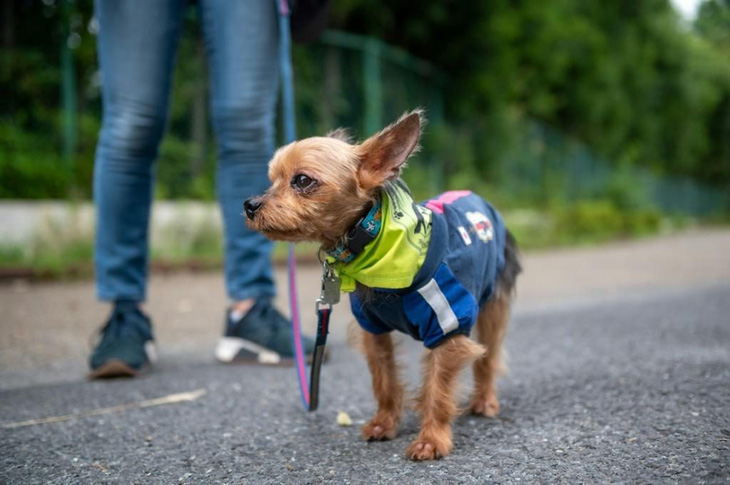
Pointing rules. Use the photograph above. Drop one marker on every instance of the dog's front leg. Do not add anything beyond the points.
(436, 402)
(387, 387)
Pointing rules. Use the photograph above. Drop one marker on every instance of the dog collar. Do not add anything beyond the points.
(365, 231)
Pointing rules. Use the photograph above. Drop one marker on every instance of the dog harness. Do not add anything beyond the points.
(429, 267)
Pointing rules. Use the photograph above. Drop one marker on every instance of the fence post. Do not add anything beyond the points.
(436, 116)
(68, 87)
(372, 86)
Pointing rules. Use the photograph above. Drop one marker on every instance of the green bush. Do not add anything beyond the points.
(602, 219)
(175, 178)
(643, 222)
(590, 220)
(625, 193)
(28, 169)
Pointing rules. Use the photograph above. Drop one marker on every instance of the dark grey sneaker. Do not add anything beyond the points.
(262, 336)
(126, 346)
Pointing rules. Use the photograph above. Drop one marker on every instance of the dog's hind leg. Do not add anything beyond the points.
(490, 330)
(436, 402)
(387, 387)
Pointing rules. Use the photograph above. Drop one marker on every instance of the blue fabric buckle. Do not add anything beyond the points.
(362, 233)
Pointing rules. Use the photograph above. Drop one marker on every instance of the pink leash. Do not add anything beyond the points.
(299, 360)
(309, 389)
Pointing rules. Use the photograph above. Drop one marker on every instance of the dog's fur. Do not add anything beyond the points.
(346, 179)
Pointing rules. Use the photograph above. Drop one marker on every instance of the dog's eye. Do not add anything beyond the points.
(301, 181)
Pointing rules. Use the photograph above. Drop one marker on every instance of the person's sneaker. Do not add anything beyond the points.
(126, 345)
(261, 336)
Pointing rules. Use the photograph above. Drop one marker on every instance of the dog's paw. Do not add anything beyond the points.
(485, 406)
(380, 429)
(422, 449)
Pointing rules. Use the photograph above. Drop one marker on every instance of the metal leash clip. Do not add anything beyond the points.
(330, 294)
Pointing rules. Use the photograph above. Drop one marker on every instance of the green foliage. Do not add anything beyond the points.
(625, 82)
(69, 256)
(585, 222)
(713, 23)
(58, 249)
(596, 220)
(11, 255)
(625, 194)
(27, 168)
(31, 164)
(626, 77)
(567, 114)
(66, 250)
(175, 177)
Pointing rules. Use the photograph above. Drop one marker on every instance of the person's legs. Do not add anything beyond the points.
(242, 44)
(136, 46)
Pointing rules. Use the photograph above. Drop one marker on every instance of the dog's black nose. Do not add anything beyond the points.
(251, 206)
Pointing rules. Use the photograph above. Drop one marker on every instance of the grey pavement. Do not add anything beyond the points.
(619, 363)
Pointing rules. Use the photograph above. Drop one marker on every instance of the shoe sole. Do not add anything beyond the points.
(233, 350)
(115, 368)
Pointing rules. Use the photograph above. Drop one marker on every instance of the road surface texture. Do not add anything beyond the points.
(619, 363)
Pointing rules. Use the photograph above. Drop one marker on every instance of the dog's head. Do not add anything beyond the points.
(321, 186)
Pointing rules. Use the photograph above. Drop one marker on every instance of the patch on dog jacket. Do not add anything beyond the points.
(459, 273)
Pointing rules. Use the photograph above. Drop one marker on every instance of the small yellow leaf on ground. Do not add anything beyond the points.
(343, 419)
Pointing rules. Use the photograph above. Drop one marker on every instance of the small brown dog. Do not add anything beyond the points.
(432, 271)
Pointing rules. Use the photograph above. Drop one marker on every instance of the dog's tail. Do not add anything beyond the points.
(512, 267)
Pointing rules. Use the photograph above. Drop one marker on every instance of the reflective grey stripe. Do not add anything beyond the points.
(440, 305)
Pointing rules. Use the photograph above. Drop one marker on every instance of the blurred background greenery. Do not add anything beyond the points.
(583, 121)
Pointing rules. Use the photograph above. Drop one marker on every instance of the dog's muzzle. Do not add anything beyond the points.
(251, 206)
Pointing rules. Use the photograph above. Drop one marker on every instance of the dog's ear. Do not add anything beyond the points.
(340, 134)
(383, 155)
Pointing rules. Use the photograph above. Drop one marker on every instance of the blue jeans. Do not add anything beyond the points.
(137, 44)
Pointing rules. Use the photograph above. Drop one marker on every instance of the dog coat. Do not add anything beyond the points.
(430, 267)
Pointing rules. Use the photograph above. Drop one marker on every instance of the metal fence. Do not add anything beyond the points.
(545, 164)
(362, 83)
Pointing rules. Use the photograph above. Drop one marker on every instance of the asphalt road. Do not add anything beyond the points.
(635, 388)
(46, 327)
